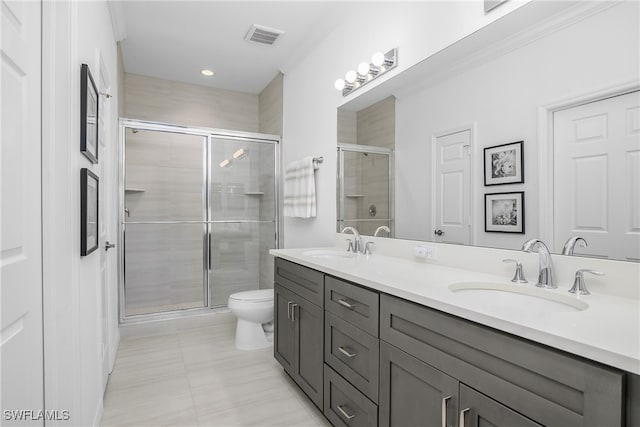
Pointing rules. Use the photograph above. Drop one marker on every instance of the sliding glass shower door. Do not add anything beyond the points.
(199, 217)
(242, 212)
(164, 221)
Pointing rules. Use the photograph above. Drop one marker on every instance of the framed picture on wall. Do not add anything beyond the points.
(503, 164)
(88, 115)
(504, 212)
(89, 183)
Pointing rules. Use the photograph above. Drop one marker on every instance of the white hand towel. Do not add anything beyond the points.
(300, 189)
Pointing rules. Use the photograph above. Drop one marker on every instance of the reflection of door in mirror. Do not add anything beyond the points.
(597, 176)
(452, 187)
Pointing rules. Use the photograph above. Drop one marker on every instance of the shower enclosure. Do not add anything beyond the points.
(199, 215)
(364, 188)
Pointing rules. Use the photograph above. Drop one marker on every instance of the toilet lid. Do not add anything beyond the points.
(253, 296)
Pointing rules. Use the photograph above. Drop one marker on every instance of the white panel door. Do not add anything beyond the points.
(597, 176)
(108, 208)
(452, 188)
(20, 233)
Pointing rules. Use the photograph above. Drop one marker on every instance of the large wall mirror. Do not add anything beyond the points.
(528, 128)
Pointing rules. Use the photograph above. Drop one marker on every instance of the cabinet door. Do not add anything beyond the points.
(413, 393)
(284, 329)
(309, 322)
(481, 411)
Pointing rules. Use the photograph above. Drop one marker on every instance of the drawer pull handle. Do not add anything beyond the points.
(289, 309)
(347, 415)
(444, 410)
(346, 304)
(463, 413)
(347, 353)
(293, 312)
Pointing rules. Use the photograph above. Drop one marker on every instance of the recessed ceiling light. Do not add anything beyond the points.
(207, 72)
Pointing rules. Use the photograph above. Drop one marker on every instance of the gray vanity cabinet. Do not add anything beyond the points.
(284, 329)
(413, 393)
(299, 326)
(545, 385)
(478, 410)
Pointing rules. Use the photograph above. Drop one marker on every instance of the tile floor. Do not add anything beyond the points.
(187, 372)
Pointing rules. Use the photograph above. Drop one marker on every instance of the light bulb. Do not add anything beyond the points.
(377, 59)
(240, 153)
(225, 163)
(339, 84)
(207, 72)
(351, 76)
(363, 68)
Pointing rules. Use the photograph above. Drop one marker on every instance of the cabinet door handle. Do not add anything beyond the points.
(347, 353)
(293, 312)
(289, 309)
(463, 413)
(444, 410)
(346, 414)
(346, 304)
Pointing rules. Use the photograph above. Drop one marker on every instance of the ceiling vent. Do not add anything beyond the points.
(262, 35)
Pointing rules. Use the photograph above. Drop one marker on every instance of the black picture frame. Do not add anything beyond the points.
(504, 164)
(89, 208)
(89, 115)
(504, 212)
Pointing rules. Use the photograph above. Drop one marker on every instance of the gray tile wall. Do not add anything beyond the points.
(164, 263)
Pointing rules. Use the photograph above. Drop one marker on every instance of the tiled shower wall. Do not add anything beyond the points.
(164, 267)
(367, 177)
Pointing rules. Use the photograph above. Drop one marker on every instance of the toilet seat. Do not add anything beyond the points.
(260, 295)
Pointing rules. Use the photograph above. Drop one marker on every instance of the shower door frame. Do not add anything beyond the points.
(208, 134)
(341, 148)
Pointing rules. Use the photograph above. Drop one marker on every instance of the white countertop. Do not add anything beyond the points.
(608, 331)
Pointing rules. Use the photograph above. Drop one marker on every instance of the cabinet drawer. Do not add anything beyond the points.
(352, 303)
(344, 405)
(301, 280)
(352, 353)
(549, 386)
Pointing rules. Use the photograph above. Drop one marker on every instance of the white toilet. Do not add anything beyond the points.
(253, 309)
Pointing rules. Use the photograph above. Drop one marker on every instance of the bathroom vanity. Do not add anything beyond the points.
(380, 341)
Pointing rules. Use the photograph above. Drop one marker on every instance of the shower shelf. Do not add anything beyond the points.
(354, 196)
(133, 190)
(253, 193)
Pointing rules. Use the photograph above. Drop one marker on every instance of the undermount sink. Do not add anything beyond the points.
(524, 298)
(329, 254)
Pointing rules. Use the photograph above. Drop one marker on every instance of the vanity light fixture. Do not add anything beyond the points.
(380, 64)
(207, 73)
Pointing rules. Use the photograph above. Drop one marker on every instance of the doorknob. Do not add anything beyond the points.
(438, 232)
(108, 245)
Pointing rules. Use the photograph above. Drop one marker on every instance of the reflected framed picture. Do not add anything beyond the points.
(504, 212)
(89, 187)
(504, 164)
(88, 115)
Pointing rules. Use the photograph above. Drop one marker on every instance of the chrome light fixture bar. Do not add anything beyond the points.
(379, 65)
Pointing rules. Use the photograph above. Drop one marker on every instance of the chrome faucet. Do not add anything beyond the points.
(545, 276)
(570, 245)
(354, 246)
(382, 228)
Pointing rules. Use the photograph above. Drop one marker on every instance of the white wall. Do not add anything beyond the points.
(73, 33)
(501, 98)
(417, 29)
